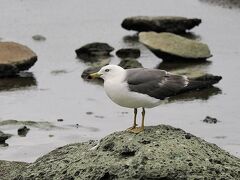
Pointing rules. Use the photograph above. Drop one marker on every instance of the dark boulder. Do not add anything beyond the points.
(160, 23)
(94, 49)
(128, 53)
(22, 131)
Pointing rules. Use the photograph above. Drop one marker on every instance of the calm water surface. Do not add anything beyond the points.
(67, 25)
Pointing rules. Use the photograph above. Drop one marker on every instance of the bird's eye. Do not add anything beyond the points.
(107, 70)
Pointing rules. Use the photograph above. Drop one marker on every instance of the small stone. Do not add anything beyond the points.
(23, 131)
(38, 37)
(89, 113)
(210, 120)
(60, 120)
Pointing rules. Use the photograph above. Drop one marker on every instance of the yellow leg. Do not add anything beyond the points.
(135, 120)
(137, 130)
(143, 118)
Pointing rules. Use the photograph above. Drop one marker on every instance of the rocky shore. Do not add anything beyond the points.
(160, 152)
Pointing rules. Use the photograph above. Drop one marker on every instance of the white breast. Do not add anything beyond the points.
(120, 94)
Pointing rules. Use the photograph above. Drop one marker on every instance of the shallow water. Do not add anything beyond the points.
(56, 89)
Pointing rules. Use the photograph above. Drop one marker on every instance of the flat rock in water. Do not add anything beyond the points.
(14, 58)
(94, 49)
(160, 152)
(128, 53)
(160, 23)
(171, 47)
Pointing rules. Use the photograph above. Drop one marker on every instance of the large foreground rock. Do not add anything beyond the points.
(171, 47)
(14, 58)
(9, 169)
(160, 23)
(160, 152)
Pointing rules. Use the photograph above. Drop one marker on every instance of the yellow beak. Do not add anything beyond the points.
(95, 75)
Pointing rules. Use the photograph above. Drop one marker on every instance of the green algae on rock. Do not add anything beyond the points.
(171, 47)
(160, 152)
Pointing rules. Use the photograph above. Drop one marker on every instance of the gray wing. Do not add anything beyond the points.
(155, 83)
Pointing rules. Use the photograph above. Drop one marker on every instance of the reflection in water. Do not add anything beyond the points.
(185, 68)
(131, 39)
(191, 35)
(24, 80)
(203, 94)
(95, 60)
(224, 3)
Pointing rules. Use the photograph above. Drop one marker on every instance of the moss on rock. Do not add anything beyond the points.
(160, 152)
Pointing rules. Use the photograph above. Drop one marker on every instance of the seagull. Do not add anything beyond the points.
(146, 88)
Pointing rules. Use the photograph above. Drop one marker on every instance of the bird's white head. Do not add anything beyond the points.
(109, 72)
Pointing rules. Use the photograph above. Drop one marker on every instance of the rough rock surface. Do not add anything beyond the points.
(14, 58)
(160, 23)
(160, 152)
(171, 47)
(9, 169)
(94, 49)
(128, 53)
